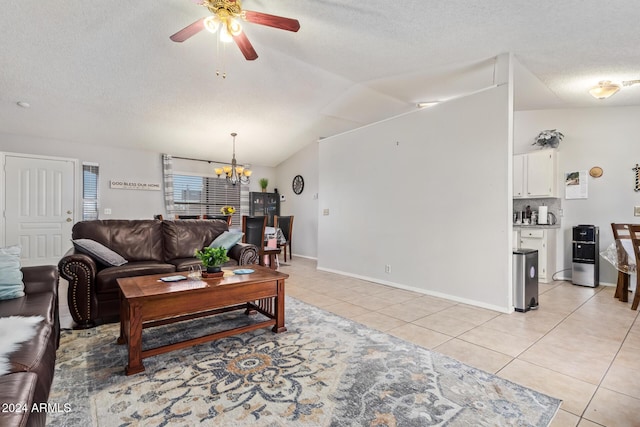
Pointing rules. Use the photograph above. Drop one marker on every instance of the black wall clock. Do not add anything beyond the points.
(297, 184)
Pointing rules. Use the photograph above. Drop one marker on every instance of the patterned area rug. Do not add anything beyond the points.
(324, 371)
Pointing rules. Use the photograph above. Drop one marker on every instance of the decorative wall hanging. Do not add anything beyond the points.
(575, 185)
(637, 170)
(134, 185)
(596, 172)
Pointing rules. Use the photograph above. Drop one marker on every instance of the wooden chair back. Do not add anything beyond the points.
(634, 231)
(285, 223)
(253, 229)
(188, 217)
(226, 218)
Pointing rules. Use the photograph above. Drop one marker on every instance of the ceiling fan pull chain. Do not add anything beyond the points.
(224, 60)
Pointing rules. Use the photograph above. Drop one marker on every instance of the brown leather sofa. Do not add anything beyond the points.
(149, 246)
(33, 363)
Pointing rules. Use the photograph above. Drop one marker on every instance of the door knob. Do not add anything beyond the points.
(68, 212)
(69, 220)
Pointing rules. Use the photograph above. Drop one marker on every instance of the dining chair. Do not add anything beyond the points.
(285, 223)
(634, 231)
(272, 244)
(253, 229)
(188, 217)
(226, 218)
(621, 232)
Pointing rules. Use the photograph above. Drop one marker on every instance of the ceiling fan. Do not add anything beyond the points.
(225, 18)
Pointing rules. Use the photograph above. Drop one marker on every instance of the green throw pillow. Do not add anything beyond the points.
(227, 240)
(11, 285)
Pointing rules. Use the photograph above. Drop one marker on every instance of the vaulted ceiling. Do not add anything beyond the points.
(106, 72)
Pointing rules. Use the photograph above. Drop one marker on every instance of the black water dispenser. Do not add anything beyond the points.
(586, 249)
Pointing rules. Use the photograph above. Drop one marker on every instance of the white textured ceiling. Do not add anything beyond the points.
(106, 72)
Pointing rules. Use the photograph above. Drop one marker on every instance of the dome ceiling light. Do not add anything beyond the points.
(606, 88)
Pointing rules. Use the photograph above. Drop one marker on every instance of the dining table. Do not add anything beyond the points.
(621, 255)
(274, 233)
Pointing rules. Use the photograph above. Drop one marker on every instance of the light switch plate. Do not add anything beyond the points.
(325, 212)
(636, 211)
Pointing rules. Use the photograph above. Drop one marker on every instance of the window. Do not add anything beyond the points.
(204, 195)
(90, 173)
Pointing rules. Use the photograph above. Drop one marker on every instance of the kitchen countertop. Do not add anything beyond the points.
(536, 226)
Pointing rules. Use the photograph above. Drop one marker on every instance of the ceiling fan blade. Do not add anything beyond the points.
(245, 46)
(188, 31)
(272, 21)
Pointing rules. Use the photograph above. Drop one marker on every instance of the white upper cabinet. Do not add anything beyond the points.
(535, 174)
(518, 175)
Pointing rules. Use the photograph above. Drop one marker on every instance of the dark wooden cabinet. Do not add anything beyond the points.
(267, 204)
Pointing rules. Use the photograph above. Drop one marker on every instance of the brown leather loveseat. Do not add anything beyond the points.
(148, 246)
(25, 389)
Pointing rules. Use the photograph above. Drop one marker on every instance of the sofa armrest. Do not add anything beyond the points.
(244, 253)
(40, 279)
(80, 271)
(17, 390)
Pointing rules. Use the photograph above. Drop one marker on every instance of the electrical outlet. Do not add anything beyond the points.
(325, 212)
(560, 212)
(107, 211)
(387, 268)
(636, 211)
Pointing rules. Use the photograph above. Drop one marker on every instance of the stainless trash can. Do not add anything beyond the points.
(525, 279)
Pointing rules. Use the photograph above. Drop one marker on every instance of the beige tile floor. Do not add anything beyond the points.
(581, 345)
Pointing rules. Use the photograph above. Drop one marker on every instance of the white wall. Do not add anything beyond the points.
(116, 163)
(304, 206)
(428, 194)
(605, 137)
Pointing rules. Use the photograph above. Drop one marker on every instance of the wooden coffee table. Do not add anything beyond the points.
(146, 301)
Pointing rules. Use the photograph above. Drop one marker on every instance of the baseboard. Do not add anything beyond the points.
(420, 290)
(305, 256)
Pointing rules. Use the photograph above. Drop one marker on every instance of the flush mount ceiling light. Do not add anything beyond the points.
(427, 104)
(605, 88)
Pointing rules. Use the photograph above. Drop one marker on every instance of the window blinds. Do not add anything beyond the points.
(204, 195)
(90, 175)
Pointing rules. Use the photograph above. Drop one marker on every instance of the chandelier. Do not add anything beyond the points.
(234, 173)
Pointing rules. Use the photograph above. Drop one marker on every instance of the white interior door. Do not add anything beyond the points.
(39, 207)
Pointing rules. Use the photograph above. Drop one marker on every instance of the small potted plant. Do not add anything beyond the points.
(212, 258)
(263, 184)
(548, 138)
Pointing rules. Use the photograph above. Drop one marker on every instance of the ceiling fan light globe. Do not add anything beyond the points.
(212, 23)
(225, 36)
(233, 27)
